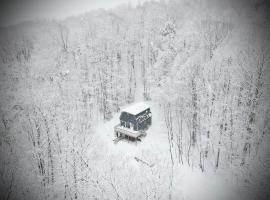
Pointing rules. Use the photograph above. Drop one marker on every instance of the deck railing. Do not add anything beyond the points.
(126, 131)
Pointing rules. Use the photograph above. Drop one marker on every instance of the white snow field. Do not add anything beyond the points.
(150, 157)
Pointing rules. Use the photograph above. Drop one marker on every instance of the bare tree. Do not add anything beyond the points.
(63, 37)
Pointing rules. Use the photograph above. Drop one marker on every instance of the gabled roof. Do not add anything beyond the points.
(136, 108)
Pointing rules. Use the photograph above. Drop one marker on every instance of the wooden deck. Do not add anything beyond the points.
(122, 132)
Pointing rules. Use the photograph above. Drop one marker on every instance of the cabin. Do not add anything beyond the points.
(134, 121)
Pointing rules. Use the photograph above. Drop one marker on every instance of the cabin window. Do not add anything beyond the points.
(123, 123)
(136, 127)
(127, 124)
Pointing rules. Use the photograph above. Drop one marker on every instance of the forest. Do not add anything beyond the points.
(203, 66)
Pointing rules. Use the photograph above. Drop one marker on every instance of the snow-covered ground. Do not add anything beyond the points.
(154, 142)
(205, 68)
(153, 151)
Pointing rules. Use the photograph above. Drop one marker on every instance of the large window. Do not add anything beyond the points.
(136, 127)
(122, 123)
(127, 124)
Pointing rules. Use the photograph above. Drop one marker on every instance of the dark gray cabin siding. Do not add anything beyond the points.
(126, 117)
(138, 121)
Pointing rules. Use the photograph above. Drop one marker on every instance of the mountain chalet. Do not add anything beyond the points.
(134, 120)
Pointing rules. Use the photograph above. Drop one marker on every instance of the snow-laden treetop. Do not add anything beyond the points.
(136, 108)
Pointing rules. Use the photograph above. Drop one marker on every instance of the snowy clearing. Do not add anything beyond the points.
(202, 67)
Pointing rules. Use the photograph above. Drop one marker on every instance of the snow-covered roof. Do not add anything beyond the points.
(136, 108)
